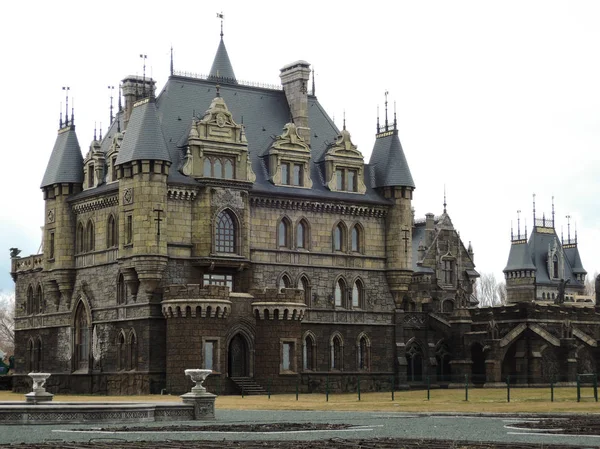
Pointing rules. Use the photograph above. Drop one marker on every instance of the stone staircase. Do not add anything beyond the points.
(248, 385)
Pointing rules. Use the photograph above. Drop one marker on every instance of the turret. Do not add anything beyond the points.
(394, 180)
(143, 163)
(62, 179)
(520, 270)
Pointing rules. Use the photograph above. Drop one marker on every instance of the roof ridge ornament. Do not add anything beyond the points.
(221, 16)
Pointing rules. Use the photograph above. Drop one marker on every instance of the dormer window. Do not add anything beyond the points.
(91, 176)
(289, 156)
(218, 167)
(113, 172)
(344, 166)
(555, 267)
(346, 179)
(448, 271)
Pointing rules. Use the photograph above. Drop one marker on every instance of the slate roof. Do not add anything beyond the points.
(389, 161)
(143, 139)
(519, 257)
(66, 162)
(221, 66)
(572, 254)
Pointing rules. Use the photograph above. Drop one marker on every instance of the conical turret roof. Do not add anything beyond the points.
(144, 139)
(221, 67)
(66, 162)
(389, 162)
(519, 257)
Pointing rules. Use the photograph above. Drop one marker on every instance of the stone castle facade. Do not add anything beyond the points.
(251, 239)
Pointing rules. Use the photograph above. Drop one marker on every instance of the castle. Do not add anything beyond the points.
(251, 239)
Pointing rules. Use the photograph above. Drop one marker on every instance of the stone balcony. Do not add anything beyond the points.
(25, 264)
(191, 300)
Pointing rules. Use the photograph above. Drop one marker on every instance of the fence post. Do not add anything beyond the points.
(578, 389)
(327, 389)
(393, 385)
(296, 388)
(358, 387)
(596, 387)
(552, 390)
(242, 390)
(466, 387)
(269, 388)
(507, 388)
(428, 388)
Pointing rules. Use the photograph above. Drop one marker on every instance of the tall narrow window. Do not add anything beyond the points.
(340, 291)
(336, 353)
(82, 339)
(298, 175)
(121, 290)
(301, 241)
(79, 238)
(303, 285)
(339, 179)
(283, 233)
(448, 271)
(284, 282)
(218, 169)
(112, 232)
(286, 356)
(29, 362)
(308, 354)
(352, 175)
(355, 239)
(357, 292)
(555, 267)
(129, 230)
(90, 237)
(91, 175)
(338, 238)
(225, 233)
(209, 354)
(51, 255)
(363, 354)
(29, 305)
(228, 169)
(114, 169)
(37, 357)
(39, 300)
(122, 352)
(133, 352)
(285, 173)
(207, 168)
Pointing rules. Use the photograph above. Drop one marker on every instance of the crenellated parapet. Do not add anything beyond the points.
(275, 304)
(184, 300)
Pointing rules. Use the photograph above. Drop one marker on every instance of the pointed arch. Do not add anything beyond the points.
(358, 294)
(29, 361)
(90, 236)
(303, 234)
(226, 232)
(29, 302)
(309, 351)
(443, 356)
(284, 281)
(339, 236)
(39, 299)
(284, 232)
(340, 292)
(121, 289)
(414, 361)
(336, 351)
(121, 350)
(304, 285)
(357, 234)
(80, 238)
(363, 352)
(132, 350)
(112, 232)
(82, 322)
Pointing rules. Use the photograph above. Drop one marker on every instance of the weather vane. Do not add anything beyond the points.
(221, 16)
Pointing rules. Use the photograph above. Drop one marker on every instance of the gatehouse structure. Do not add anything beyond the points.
(233, 226)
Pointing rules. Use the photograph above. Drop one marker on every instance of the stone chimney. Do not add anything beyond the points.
(294, 79)
(429, 230)
(136, 88)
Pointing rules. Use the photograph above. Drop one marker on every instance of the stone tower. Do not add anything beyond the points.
(63, 179)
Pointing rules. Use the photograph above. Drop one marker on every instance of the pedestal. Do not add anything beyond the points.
(204, 404)
(38, 396)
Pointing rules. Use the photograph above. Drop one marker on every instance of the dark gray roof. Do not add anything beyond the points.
(221, 66)
(572, 254)
(539, 242)
(389, 161)
(264, 113)
(143, 139)
(519, 257)
(66, 162)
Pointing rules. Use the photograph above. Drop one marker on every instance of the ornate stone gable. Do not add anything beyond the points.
(111, 156)
(93, 166)
(344, 165)
(289, 159)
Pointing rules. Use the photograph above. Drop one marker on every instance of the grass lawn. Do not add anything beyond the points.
(531, 400)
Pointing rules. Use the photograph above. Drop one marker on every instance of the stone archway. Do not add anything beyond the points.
(478, 366)
(238, 357)
(509, 363)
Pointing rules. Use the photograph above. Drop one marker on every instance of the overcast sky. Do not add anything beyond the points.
(496, 100)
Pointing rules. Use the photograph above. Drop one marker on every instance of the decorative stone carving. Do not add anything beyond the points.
(128, 195)
(227, 198)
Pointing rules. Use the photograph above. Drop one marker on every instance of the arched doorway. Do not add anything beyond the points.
(509, 364)
(443, 368)
(238, 365)
(478, 366)
(414, 361)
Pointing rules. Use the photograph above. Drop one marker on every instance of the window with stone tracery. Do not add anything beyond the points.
(225, 233)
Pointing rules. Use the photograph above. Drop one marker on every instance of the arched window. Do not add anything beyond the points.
(448, 306)
(82, 338)
(309, 353)
(555, 267)
(29, 360)
(304, 285)
(218, 168)
(29, 305)
(339, 237)
(121, 290)
(37, 356)
(39, 298)
(340, 293)
(90, 239)
(112, 233)
(443, 357)
(207, 168)
(79, 238)
(302, 235)
(228, 169)
(363, 349)
(133, 353)
(355, 237)
(283, 233)
(337, 348)
(121, 352)
(357, 295)
(225, 233)
(284, 282)
(414, 360)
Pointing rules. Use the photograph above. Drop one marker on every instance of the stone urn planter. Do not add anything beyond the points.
(202, 400)
(39, 393)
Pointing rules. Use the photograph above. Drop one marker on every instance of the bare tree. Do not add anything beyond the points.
(590, 285)
(7, 322)
(488, 290)
(501, 290)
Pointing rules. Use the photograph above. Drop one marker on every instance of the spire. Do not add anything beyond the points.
(120, 91)
(378, 127)
(100, 131)
(313, 81)
(395, 122)
(445, 198)
(386, 116)
(221, 68)
(111, 89)
(171, 60)
(534, 224)
(344, 127)
(568, 217)
(95, 132)
(66, 89)
(553, 211)
(144, 57)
